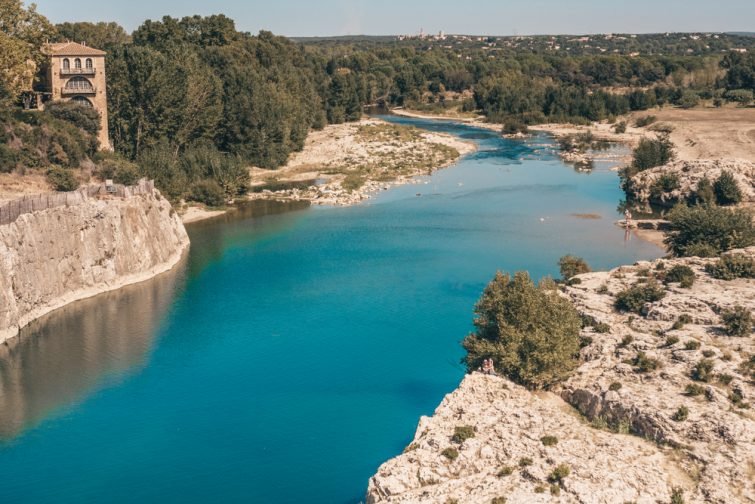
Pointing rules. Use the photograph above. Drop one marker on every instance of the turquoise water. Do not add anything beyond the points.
(291, 353)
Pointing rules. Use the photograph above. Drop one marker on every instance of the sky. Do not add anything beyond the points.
(390, 17)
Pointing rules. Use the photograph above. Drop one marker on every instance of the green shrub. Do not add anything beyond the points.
(643, 121)
(737, 322)
(677, 496)
(513, 126)
(708, 353)
(706, 231)
(505, 471)
(691, 345)
(727, 190)
(732, 266)
(666, 183)
(681, 414)
(680, 273)
(602, 328)
(462, 433)
(704, 194)
(725, 378)
(615, 386)
(86, 118)
(620, 127)
(8, 158)
(703, 370)
(450, 453)
(540, 489)
(671, 340)
(525, 461)
(634, 298)
(652, 152)
(62, 179)
(693, 390)
(555, 490)
(498, 500)
(559, 474)
(645, 364)
(626, 341)
(570, 266)
(207, 192)
(741, 96)
(603, 289)
(530, 331)
(549, 440)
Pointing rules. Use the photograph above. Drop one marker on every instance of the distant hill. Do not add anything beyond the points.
(742, 34)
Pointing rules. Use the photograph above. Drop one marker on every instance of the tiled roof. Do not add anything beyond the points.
(71, 49)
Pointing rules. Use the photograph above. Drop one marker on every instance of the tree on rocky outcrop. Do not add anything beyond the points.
(727, 190)
(570, 266)
(529, 330)
(708, 231)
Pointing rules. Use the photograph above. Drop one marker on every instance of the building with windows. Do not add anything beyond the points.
(77, 73)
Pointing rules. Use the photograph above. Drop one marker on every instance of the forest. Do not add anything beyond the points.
(194, 101)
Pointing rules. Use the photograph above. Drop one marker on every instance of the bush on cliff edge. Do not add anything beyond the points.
(529, 330)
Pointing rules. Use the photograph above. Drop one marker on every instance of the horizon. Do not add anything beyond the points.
(343, 18)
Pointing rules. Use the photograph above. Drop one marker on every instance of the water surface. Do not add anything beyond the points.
(291, 353)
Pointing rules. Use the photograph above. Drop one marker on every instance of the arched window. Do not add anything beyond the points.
(82, 100)
(79, 84)
(66, 64)
(77, 63)
(89, 63)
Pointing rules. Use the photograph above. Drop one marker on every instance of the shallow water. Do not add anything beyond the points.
(291, 353)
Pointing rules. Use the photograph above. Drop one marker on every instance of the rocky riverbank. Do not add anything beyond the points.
(345, 164)
(660, 406)
(52, 257)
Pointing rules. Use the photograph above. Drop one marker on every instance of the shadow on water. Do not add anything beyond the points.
(61, 358)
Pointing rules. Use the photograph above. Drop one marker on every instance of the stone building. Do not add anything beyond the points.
(77, 73)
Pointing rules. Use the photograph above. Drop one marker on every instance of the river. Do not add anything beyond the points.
(295, 348)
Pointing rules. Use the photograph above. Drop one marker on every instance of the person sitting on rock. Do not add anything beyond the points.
(485, 366)
(491, 368)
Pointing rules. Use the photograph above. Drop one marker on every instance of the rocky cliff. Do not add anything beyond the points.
(52, 257)
(658, 411)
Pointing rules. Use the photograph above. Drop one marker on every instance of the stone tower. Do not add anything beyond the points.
(77, 73)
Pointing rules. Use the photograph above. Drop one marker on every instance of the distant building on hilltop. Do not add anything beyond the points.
(77, 73)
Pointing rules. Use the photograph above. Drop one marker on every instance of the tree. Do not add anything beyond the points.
(22, 32)
(708, 231)
(727, 190)
(81, 116)
(100, 35)
(652, 152)
(572, 265)
(530, 331)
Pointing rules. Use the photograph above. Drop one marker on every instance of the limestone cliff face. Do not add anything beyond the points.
(619, 426)
(52, 257)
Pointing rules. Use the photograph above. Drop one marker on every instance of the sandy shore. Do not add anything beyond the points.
(197, 213)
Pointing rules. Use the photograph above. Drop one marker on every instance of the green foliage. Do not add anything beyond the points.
(450, 453)
(673, 340)
(652, 152)
(549, 440)
(513, 126)
(693, 389)
(505, 471)
(462, 433)
(115, 168)
(559, 474)
(62, 179)
(732, 266)
(644, 121)
(570, 266)
(620, 127)
(708, 231)
(704, 195)
(689, 99)
(530, 332)
(498, 500)
(741, 96)
(691, 345)
(525, 462)
(737, 321)
(727, 190)
(681, 414)
(703, 370)
(682, 274)
(645, 364)
(207, 192)
(634, 298)
(8, 159)
(664, 184)
(614, 386)
(80, 116)
(677, 496)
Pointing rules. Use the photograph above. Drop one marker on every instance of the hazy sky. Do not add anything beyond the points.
(494, 17)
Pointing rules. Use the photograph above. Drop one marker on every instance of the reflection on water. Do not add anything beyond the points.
(64, 356)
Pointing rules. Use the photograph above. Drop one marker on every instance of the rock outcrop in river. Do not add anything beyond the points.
(52, 257)
(659, 408)
(684, 177)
